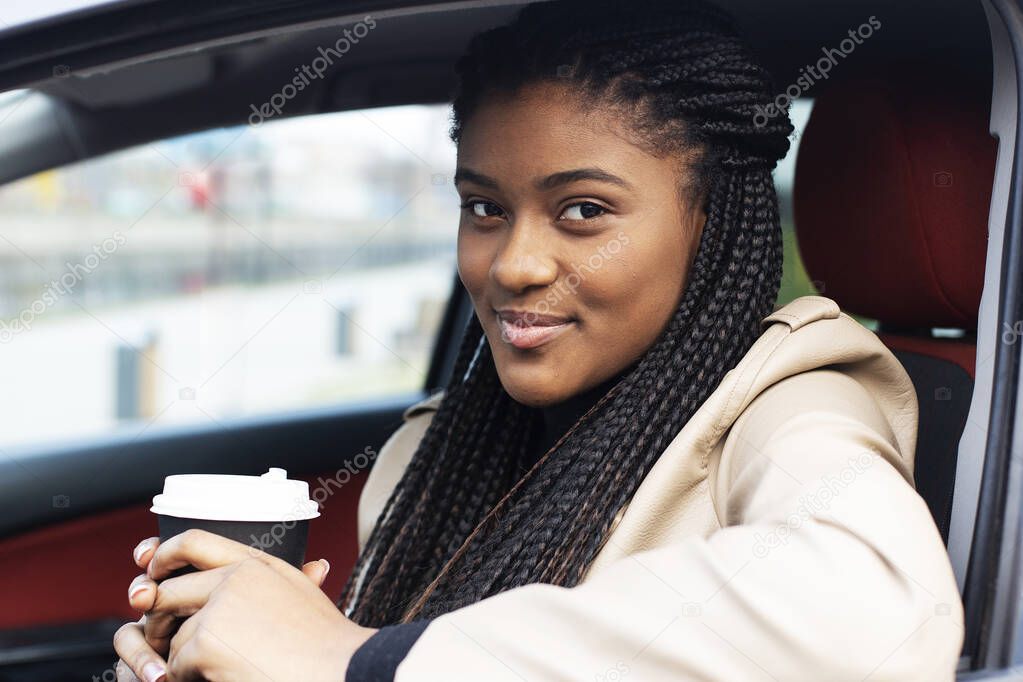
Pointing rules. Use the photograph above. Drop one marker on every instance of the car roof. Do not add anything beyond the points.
(125, 72)
(26, 14)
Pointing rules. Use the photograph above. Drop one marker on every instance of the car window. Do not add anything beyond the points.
(228, 273)
(240, 271)
(795, 281)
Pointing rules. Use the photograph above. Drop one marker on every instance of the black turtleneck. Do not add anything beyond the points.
(378, 658)
(558, 419)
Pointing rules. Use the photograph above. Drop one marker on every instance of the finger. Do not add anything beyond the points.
(143, 552)
(195, 646)
(141, 593)
(185, 654)
(178, 641)
(177, 599)
(124, 673)
(131, 647)
(203, 550)
(317, 571)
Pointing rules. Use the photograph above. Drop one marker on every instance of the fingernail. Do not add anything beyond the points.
(326, 567)
(153, 672)
(143, 547)
(137, 590)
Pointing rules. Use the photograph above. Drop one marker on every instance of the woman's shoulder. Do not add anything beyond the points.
(424, 406)
(814, 388)
(815, 373)
(391, 462)
(812, 337)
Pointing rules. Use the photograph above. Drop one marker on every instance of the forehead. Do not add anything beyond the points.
(547, 127)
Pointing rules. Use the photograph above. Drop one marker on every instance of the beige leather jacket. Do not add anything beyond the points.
(779, 537)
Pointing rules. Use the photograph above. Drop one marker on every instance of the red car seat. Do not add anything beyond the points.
(892, 188)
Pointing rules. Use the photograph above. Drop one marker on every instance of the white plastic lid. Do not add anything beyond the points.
(215, 497)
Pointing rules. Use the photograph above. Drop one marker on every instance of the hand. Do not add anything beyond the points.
(142, 596)
(149, 665)
(245, 610)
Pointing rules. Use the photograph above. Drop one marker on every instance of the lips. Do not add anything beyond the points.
(525, 329)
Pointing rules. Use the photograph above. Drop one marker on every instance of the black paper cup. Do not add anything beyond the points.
(267, 513)
(283, 539)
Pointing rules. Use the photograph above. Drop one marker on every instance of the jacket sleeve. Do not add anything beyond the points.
(828, 567)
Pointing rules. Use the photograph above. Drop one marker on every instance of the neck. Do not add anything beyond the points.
(558, 419)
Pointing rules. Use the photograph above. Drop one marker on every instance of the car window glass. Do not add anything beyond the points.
(231, 272)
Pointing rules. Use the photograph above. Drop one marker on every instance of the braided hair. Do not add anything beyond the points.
(463, 524)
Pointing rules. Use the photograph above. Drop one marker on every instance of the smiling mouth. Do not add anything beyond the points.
(530, 330)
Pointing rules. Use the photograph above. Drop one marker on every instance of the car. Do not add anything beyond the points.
(227, 244)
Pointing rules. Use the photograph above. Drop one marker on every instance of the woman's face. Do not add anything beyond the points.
(573, 242)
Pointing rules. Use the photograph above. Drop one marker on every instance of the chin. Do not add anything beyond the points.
(531, 387)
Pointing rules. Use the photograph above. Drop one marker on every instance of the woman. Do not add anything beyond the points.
(637, 468)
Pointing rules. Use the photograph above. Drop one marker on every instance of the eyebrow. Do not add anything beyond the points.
(549, 182)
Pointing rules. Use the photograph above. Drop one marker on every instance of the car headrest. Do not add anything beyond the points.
(892, 187)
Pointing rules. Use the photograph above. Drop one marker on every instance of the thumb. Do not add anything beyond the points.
(317, 571)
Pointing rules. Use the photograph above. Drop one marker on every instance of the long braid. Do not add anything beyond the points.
(462, 525)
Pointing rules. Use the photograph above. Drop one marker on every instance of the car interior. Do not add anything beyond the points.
(902, 186)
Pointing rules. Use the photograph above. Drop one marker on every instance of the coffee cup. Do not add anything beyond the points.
(270, 513)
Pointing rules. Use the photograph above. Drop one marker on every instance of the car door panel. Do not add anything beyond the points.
(63, 583)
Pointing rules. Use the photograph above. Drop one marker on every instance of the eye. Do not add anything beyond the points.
(584, 210)
(482, 209)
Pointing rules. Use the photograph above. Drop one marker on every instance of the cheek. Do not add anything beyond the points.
(474, 259)
(637, 289)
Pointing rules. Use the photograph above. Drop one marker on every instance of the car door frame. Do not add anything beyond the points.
(993, 646)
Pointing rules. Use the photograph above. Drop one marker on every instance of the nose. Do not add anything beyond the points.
(524, 260)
